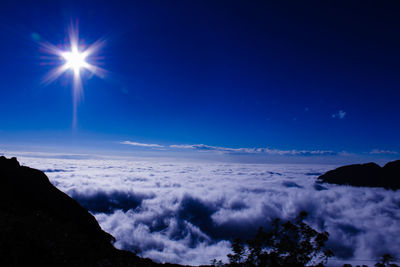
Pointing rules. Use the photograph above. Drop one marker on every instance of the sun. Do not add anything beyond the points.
(77, 56)
(75, 60)
(74, 55)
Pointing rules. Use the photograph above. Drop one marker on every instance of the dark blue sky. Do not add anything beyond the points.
(287, 75)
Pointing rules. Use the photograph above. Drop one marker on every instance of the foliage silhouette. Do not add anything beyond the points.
(385, 261)
(287, 244)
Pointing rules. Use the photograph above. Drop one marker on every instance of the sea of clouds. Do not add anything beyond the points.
(187, 212)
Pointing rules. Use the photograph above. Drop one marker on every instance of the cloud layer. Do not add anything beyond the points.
(187, 212)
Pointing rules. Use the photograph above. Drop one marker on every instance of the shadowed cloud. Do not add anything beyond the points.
(107, 202)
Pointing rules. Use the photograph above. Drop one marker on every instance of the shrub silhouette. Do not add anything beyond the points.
(385, 261)
(293, 244)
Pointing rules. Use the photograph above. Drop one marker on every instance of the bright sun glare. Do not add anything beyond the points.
(75, 60)
(73, 56)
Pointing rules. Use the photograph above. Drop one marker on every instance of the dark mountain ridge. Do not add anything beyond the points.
(42, 226)
(367, 175)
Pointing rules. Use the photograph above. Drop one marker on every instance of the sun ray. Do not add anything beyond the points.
(77, 58)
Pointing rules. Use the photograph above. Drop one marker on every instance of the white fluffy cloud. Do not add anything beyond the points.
(187, 212)
(340, 114)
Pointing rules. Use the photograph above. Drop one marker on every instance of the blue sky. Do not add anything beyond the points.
(315, 76)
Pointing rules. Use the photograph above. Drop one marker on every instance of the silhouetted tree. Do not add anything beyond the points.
(293, 244)
(216, 263)
(385, 261)
(238, 252)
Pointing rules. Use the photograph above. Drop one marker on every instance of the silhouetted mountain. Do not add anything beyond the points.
(369, 175)
(42, 226)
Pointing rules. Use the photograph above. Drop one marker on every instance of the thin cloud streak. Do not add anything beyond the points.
(255, 150)
(268, 151)
(383, 152)
(140, 144)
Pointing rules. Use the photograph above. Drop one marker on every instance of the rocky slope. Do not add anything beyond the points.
(42, 226)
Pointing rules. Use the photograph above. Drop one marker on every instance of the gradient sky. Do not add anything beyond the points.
(289, 75)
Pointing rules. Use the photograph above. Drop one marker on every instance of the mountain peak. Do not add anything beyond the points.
(368, 175)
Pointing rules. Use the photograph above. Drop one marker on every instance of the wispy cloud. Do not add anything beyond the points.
(383, 152)
(255, 150)
(340, 115)
(140, 144)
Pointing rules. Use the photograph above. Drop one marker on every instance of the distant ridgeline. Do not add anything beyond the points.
(42, 226)
(368, 175)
